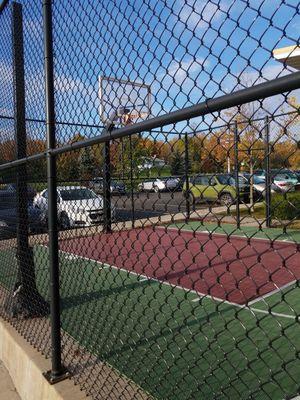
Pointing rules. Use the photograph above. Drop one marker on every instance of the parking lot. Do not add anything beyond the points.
(150, 204)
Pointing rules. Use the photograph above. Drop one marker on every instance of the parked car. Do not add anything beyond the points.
(115, 187)
(284, 180)
(259, 185)
(4, 230)
(9, 215)
(219, 187)
(77, 206)
(11, 187)
(160, 184)
(297, 173)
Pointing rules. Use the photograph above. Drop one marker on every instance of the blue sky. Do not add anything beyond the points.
(186, 50)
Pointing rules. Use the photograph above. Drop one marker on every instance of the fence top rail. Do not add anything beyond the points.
(194, 133)
(261, 91)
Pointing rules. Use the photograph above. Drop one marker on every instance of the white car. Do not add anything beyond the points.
(278, 184)
(159, 184)
(77, 206)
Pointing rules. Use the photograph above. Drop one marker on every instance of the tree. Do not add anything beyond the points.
(37, 170)
(195, 149)
(68, 163)
(285, 141)
(87, 164)
(127, 153)
(177, 163)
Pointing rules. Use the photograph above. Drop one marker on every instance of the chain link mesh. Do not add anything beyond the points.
(179, 245)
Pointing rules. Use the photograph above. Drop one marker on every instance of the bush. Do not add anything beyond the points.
(285, 206)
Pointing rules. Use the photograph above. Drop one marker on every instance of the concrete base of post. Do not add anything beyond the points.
(26, 366)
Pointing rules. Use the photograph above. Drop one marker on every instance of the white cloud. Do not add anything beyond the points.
(198, 14)
(265, 74)
(33, 27)
(180, 70)
(67, 84)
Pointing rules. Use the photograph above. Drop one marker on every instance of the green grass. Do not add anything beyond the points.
(155, 172)
(171, 346)
(291, 234)
(257, 211)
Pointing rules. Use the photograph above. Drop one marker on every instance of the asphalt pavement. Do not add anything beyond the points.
(150, 204)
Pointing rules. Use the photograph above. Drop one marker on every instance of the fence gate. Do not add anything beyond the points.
(150, 194)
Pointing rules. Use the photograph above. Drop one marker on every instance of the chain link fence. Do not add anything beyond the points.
(149, 199)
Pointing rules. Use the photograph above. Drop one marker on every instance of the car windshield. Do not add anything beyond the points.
(257, 180)
(77, 194)
(285, 175)
(282, 177)
(230, 180)
(246, 176)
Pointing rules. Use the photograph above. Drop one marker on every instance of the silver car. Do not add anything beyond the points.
(159, 185)
(115, 187)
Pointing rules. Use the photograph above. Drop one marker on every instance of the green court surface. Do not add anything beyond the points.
(244, 231)
(171, 342)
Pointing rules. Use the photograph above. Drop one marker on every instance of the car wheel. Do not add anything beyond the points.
(192, 198)
(64, 221)
(156, 189)
(45, 220)
(226, 199)
(192, 201)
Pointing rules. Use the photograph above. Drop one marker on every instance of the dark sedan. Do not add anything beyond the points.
(9, 215)
(115, 187)
(11, 188)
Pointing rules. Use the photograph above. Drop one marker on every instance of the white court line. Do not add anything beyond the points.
(70, 257)
(199, 294)
(276, 314)
(149, 278)
(279, 289)
(233, 235)
(296, 398)
(257, 310)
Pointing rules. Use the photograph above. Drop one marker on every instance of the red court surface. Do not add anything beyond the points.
(230, 269)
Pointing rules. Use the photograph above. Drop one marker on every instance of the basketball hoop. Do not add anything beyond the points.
(123, 102)
(129, 118)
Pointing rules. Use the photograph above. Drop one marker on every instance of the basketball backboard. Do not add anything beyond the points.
(123, 102)
(288, 55)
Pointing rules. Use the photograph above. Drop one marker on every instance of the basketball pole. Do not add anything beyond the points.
(107, 177)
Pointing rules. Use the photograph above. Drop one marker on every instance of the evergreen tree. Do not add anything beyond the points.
(87, 164)
(177, 163)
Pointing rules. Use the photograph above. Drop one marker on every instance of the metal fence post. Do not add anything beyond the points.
(186, 177)
(267, 168)
(236, 174)
(122, 159)
(57, 372)
(26, 298)
(20, 134)
(106, 188)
